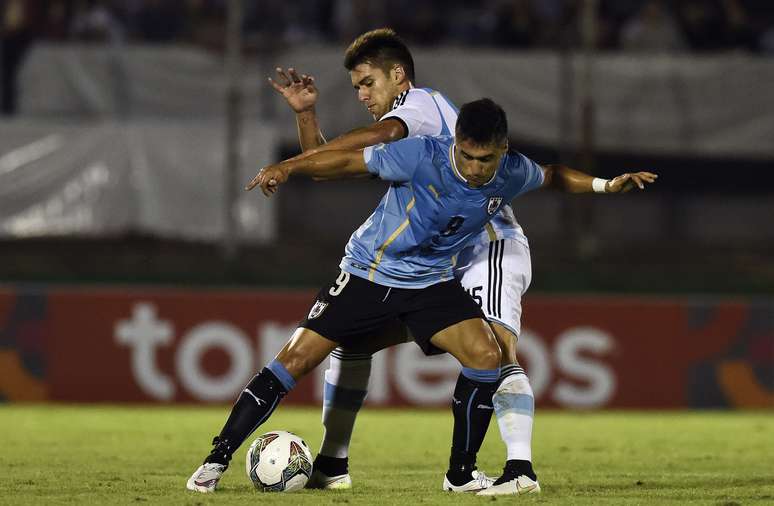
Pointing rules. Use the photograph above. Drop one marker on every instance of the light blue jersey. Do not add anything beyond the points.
(425, 111)
(429, 214)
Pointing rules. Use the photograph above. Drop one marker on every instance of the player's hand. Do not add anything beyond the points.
(269, 178)
(628, 182)
(299, 91)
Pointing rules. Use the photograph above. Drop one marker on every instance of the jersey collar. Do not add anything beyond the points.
(401, 98)
(459, 174)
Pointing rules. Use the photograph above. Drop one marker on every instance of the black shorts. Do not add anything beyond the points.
(353, 309)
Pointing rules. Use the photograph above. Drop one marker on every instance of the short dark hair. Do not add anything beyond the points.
(381, 48)
(483, 122)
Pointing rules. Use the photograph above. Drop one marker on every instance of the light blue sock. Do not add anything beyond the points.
(282, 374)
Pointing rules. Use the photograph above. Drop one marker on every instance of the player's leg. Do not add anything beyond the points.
(444, 318)
(508, 272)
(345, 388)
(303, 352)
(474, 345)
(496, 274)
(344, 391)
(514, 405)
(348, 307)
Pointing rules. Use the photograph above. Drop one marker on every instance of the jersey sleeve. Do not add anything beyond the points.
(397, 161)
(533, 174)
(418, 113)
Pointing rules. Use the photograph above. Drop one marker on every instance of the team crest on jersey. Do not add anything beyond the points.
(317, 309)
(494, 203)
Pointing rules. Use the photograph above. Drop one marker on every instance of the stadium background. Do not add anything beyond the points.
(134, 269)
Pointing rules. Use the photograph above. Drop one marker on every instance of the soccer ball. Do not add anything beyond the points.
(279, 461)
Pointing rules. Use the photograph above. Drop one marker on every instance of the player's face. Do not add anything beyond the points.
(375, 89)
(477, 163)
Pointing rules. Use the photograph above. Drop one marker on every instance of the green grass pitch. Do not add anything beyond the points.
(139, 455)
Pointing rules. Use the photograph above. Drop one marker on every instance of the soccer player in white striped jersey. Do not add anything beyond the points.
(382, 72)
(495, 270)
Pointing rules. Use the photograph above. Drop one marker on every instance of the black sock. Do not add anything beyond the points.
(515, 468)
(254, 405)
(331, 466)
(472, 409)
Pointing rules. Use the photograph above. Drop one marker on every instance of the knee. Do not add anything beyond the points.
(493, 357)
(297, 364)
(349, 369)
(488, 355)
(304, 351)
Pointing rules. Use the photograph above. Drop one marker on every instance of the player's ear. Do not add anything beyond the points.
(398, 73)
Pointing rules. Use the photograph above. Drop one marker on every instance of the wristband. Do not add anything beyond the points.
(599, 185)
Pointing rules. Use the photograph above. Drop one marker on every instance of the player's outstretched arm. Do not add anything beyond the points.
(300, 92)
(379, 132)
(325, 165)
(574, 181)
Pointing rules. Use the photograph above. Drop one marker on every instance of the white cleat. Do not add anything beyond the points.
(323, 481)
(479, 481)
(206, 478)
(520, 485)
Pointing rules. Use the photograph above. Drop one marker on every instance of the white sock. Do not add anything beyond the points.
(514, 405)
(346, 385)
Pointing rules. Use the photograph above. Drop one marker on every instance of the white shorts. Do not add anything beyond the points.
(496, 274)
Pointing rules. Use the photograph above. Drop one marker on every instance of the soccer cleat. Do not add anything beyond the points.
(515, 485)
(479, 481)
(206, 478)
(322, 480)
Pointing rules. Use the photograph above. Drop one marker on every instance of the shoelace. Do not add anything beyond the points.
(482, 479)
(212, 469)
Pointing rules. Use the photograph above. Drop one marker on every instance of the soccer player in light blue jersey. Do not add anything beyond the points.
(398, 266)
(495, 268)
